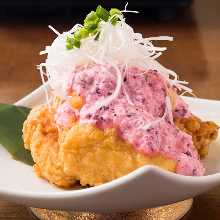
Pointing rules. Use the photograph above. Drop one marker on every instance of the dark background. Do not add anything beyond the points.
(14, 9)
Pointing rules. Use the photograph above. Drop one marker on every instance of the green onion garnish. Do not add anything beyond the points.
(102, 13)
(84, 32)
(77, 35)
(72, 42)
(91, 25)
(69, 43)
(114, 13)
(77, 43)
(91, 17)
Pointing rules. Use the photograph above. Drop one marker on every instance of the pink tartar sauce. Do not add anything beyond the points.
(140, 113)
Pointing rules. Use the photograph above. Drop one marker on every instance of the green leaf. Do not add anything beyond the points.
(11, 123)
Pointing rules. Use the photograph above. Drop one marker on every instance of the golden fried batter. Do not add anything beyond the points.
(92, 156)
(83, 153)
(41, 137)
(202, 132)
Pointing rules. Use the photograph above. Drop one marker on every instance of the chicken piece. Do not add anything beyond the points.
(92, 156)
(84, 153)
(40, 136)
(202, 132)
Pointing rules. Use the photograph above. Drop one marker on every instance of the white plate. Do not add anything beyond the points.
(146, 187)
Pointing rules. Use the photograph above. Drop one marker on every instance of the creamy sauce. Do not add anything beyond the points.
(141, 113)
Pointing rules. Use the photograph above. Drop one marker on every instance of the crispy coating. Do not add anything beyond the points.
(83, 153)
(40, 136)
(87, 154)
(202, 132)
(95, 157)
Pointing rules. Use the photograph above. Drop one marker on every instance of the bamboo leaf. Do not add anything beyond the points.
(11, 122)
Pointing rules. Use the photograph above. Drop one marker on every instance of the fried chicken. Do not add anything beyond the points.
(92, 156)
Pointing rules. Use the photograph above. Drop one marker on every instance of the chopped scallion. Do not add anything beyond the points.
(91, 25)
(115, 11)
(84, 32)
(102, 13)
(91, 17)
(77, 43)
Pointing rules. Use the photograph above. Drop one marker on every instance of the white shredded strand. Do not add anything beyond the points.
(169, 108)
(160, 48)
(124, 88)
(43, 52)
(117, 46)
(157, 55)
(128, 11)
(74, 28)
(127, 96)
(93, 58)
(126, 5)
(182, 87)
(163, 38)
(44, 85)
(54, 30)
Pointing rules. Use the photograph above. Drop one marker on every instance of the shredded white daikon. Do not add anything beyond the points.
(117, 46)
(54, 30)
(43, 74)
(129, 11)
